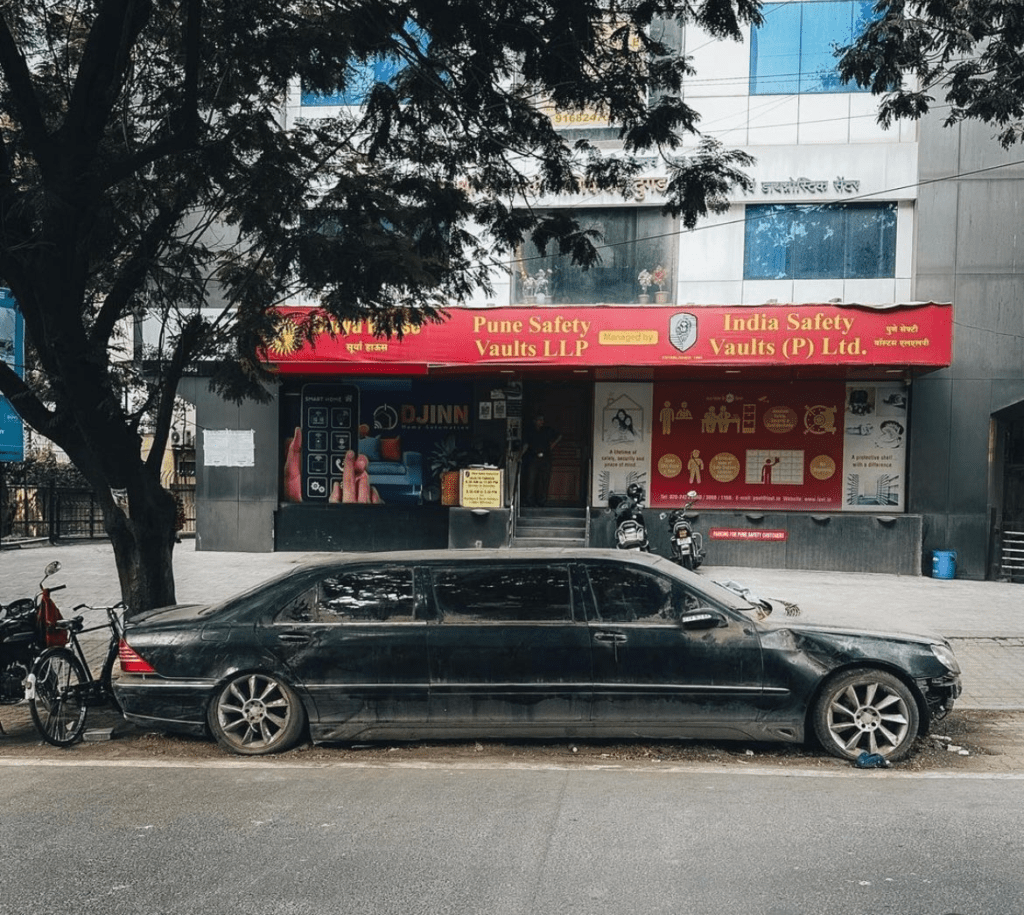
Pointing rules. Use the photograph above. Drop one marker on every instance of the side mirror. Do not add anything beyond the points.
(52, 569)
(701, 619)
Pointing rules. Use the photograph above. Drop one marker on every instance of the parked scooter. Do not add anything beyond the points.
(687, 545)
(630, 528)
(26, 631)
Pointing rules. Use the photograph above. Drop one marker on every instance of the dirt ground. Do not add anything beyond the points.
(969, 741)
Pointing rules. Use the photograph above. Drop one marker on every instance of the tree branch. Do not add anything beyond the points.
(19, 82)
(102, 70)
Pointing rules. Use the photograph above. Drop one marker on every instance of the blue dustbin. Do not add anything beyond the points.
(943, 563)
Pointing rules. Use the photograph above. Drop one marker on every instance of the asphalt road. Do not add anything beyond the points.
(251, 839)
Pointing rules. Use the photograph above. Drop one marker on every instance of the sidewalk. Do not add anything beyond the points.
(984, 620)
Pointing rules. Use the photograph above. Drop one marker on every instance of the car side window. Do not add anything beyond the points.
(368, 594)
(628, 595)
(514, 593)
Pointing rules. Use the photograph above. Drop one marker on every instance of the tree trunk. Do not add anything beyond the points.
(143, 536)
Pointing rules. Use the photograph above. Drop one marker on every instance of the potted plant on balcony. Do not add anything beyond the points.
(660, 277)
(529, 289)
(539, 285)
(646, 281)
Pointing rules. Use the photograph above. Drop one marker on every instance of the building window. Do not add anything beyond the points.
(794, 51)
(820, 241)
(630, 240)
(363, 75)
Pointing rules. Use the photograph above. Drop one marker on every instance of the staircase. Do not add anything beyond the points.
(550, 527)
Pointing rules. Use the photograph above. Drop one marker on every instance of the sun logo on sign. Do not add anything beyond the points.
(287, 340)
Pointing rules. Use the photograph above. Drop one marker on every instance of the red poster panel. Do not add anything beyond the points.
(748, 445)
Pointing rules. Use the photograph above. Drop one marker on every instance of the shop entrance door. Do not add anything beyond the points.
(567, 408)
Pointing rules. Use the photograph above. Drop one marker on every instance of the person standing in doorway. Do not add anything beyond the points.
(537, 447)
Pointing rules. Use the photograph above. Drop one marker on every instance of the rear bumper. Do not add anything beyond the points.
(153, 702)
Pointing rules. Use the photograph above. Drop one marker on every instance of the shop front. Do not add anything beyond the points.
(792, 422)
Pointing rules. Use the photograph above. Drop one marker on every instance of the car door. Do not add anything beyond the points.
(355, 640)
(655, 675)
(510, 653)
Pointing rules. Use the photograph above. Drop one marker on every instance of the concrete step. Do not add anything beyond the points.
(525, 543)
(552, 523)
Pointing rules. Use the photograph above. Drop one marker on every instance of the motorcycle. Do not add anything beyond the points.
(687, 545)
(26, 630)
(630, 528)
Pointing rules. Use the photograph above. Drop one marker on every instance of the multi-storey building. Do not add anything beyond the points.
(793, 359)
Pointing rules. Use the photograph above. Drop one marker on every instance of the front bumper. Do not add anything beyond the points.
(940, 693)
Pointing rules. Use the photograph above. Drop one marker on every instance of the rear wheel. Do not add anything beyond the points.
(58, 707)
(255, 714)
(867, 711)
(688, 562)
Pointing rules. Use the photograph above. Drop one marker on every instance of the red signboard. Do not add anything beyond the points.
(915, 334)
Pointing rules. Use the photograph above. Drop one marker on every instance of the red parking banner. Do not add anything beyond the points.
(724, 533)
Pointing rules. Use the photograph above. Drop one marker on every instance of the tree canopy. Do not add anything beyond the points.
(970, 54)
(149, 164)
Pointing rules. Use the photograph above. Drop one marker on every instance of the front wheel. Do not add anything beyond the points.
(867, 711)
(255, 714)
(58, 706)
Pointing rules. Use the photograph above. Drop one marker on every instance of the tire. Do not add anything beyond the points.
(59, 707)
(688, 562)
(255, 714)
(867, 711)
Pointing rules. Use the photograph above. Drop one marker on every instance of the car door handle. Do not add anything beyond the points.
(295, 638)
(612, 638)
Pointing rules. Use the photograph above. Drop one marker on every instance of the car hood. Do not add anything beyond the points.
(848, 632)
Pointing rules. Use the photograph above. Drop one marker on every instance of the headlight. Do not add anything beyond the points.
(946, 657)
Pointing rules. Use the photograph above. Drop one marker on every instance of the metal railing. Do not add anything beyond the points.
(50, 512)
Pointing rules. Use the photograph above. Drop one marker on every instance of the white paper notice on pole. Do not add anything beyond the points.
(229, 447)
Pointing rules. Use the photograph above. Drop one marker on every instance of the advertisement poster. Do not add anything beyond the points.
(622, 438)
(12, 430)
(874, 464)
(403, 428)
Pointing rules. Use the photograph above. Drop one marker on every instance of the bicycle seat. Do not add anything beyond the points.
(74, 624)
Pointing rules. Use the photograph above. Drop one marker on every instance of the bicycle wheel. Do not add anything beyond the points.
(58, 707)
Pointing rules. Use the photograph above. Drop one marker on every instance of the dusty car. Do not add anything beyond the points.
(522, 643)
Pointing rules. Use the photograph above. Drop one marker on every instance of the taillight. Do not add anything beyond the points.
(131, 662)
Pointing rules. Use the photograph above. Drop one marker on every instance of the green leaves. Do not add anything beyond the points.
(968, 54)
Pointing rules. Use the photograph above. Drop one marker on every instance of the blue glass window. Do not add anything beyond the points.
(363, 75)
(820, 241)
(794, 51)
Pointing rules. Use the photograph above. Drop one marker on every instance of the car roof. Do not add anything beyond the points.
(503, 554)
